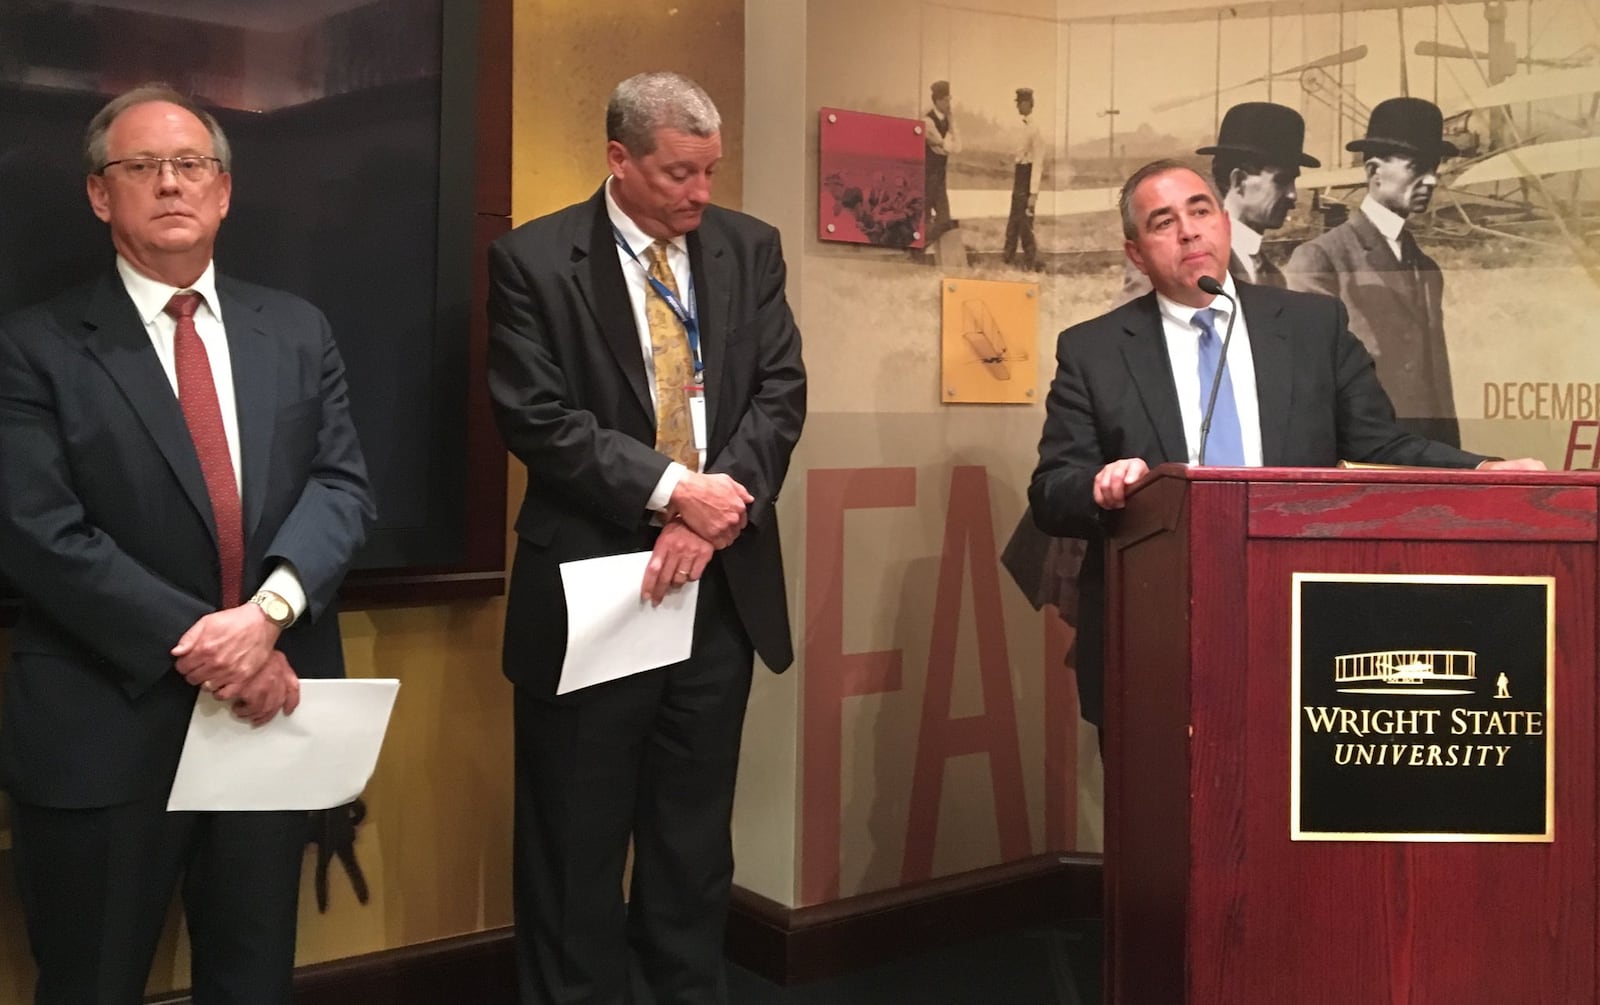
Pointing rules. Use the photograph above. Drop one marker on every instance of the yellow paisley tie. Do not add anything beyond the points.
(669, 347)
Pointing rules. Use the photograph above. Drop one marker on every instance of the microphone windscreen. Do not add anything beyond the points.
(1211, 286)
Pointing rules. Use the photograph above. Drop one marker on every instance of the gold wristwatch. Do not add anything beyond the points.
(274, 607)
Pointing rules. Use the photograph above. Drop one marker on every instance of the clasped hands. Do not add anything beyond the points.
(232, 654)
(705, 513)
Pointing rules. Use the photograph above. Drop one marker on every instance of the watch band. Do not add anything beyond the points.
(275, 607)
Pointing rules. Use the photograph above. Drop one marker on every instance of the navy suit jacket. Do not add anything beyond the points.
(1114, 397)
(106, 529)
(567, 377)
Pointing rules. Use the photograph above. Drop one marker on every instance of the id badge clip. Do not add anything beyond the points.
(696, 393)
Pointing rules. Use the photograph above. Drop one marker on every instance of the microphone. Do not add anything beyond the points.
(1211, 286)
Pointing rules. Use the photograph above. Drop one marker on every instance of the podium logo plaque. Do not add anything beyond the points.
(1423, 708)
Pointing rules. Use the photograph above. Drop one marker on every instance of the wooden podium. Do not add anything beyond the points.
(1208, 897)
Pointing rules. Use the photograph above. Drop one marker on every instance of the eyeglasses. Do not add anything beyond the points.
(189, 167)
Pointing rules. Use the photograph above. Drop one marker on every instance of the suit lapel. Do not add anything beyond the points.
(711, 267)
(1145, 353)
(1271, 275)
(254, 357)
(598, 274)
(117, 339)
(1270, 354)
(1381, 258)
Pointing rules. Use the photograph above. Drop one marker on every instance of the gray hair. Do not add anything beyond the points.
(94, 138)
(646, 102)
(1130, 226)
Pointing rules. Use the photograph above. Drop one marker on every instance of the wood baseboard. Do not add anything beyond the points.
(788, 945)
(785, 945)
(476, 968)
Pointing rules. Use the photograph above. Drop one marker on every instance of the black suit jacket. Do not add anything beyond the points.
(568, 381)
(106, 528)
(1114, 397)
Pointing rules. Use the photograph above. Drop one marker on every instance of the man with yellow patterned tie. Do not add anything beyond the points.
(645, 366)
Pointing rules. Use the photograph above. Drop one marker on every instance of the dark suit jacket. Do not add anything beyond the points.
(1395, 312)
(567, 377)
(106, 528)
(1113, 397)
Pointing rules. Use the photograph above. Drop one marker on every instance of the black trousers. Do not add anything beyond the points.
(95, 886)
(651, 757)
(1019, 225)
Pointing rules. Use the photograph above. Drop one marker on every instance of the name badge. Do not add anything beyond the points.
(697, 413)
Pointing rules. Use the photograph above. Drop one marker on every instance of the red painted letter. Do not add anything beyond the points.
(968, 534)
(831, 674)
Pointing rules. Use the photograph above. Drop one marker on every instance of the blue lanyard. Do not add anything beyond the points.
(685, 315)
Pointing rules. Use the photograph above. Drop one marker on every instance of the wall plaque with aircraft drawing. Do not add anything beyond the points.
(989, 331)
(1423, 708)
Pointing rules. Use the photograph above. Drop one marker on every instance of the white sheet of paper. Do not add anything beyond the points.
(319, 757)
(611, 633)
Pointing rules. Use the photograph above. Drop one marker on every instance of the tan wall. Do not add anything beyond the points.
(935, 724)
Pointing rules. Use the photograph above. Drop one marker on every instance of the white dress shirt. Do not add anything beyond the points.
(1388, 222)
(1183, 350)
(150, 298)
(634, 274)
(1030, 150)
(1247, 245)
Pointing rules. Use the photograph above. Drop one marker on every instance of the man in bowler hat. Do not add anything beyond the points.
(939, 132)
(1371, 262)
(1255, 161)
(1028, 168)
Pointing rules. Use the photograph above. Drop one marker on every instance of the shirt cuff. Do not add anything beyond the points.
(663, 493)
(285, 582)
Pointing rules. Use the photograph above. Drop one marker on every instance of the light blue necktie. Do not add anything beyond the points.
(1225, 444)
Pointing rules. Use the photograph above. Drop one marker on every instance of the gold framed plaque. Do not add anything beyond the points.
(1423, 708)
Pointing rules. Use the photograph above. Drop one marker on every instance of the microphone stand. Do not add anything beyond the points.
(1211, 286)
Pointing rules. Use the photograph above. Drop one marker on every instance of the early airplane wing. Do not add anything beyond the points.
(1538, 87)
(1535, 159)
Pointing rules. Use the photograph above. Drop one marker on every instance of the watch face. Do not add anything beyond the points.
(275, 608)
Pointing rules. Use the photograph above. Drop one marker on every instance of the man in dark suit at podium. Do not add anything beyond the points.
(181, 493)
(1131, 386)
(646, 368)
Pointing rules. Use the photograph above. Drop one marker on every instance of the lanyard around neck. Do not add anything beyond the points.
(684, 314)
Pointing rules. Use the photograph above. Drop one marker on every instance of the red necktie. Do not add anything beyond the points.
(197, 395)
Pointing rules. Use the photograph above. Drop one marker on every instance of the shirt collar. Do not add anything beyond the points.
(150, 296)
(1246, 239)
(1183, 314)
(1388, 222)
(631, 232)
